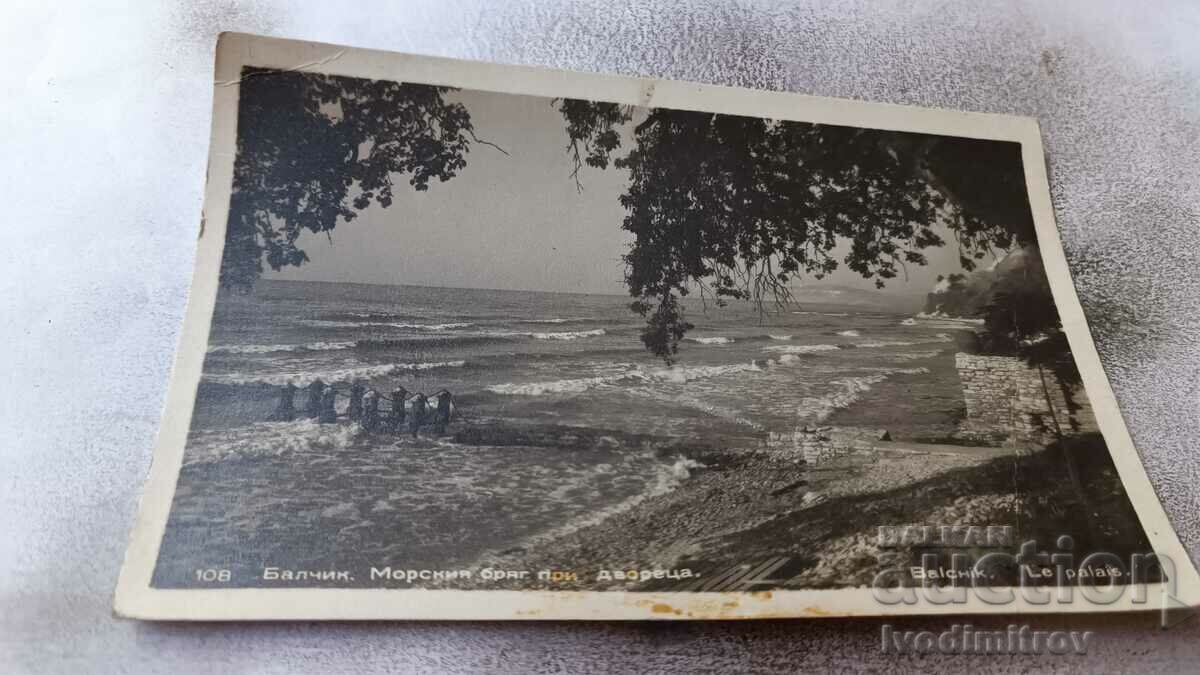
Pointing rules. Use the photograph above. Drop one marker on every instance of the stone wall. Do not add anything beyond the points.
(1006, 400)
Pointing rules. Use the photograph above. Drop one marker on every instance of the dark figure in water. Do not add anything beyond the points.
(286, 411)
(357, 391)
(328, 409)
(418, 413)
(315, 391)
(396, 414)
(442, 416)
(370, 417)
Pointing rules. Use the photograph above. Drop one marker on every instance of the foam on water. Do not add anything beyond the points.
(846, 391)
(267, 439)
(665, 478)
(849, 333)
(327, 323)
(267, 349)
(717, 340)
(329, 376)
(432, 326)
(682, 374)
(630, 373)
(869, 344)
(938, 316)
(801, 349)
(567, 335)
(556, 320)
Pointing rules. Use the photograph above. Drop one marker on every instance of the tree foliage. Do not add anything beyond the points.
(740, 207)
(1022, 320)
(314, 149)
(726, 206)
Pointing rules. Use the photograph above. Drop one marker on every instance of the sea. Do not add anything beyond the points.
(521, 365)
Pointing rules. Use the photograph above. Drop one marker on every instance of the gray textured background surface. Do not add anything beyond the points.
(105, 127)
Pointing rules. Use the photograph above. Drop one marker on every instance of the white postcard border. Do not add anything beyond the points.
(135, 598)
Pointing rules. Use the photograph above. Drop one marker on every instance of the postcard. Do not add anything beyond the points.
(475, 341)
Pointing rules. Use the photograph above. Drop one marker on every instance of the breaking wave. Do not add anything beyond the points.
(329, 376)
(939, 316)
(566, 335)
(674, 374)
(711, 340)
(432, 326)
(580, 319)
(812, 349)
(666, 478)
(940, 337)
(267, 439)
(327, 323)
(846, 391)
(849, 333)
(801, 349)
(824, 313)
(267, 349)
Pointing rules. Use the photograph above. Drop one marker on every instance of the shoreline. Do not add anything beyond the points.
(725, 501)
(820, 523)
(736, 492)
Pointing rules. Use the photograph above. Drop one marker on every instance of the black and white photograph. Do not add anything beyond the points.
(478, 340)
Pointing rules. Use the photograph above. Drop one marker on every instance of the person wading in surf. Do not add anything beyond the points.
(441, 417)
(396, 414)
(418, 413)
(370, 415)
(328, 406)
(315, 391)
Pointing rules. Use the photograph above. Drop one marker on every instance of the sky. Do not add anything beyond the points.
(513, 222)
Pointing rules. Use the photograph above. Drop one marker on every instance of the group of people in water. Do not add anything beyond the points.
(411, 409)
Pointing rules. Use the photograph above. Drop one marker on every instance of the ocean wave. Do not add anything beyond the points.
(267, 349)
(682, 374)
(329, 376)
(869, 344)
(331, 323)
(360, 317)
(557, 320)
(420, 342)
(939, 316)
(432, 326)
(824, 313)
(846, 392)
(849, 333)
(915, 356)
(908, 322)
(801, 349)
(779, 337)
(327, 323)
(564, 335)
(267, 439)
(940, 337)
(572, 386)
(711, 340)
(663, 479)
(673, 374)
